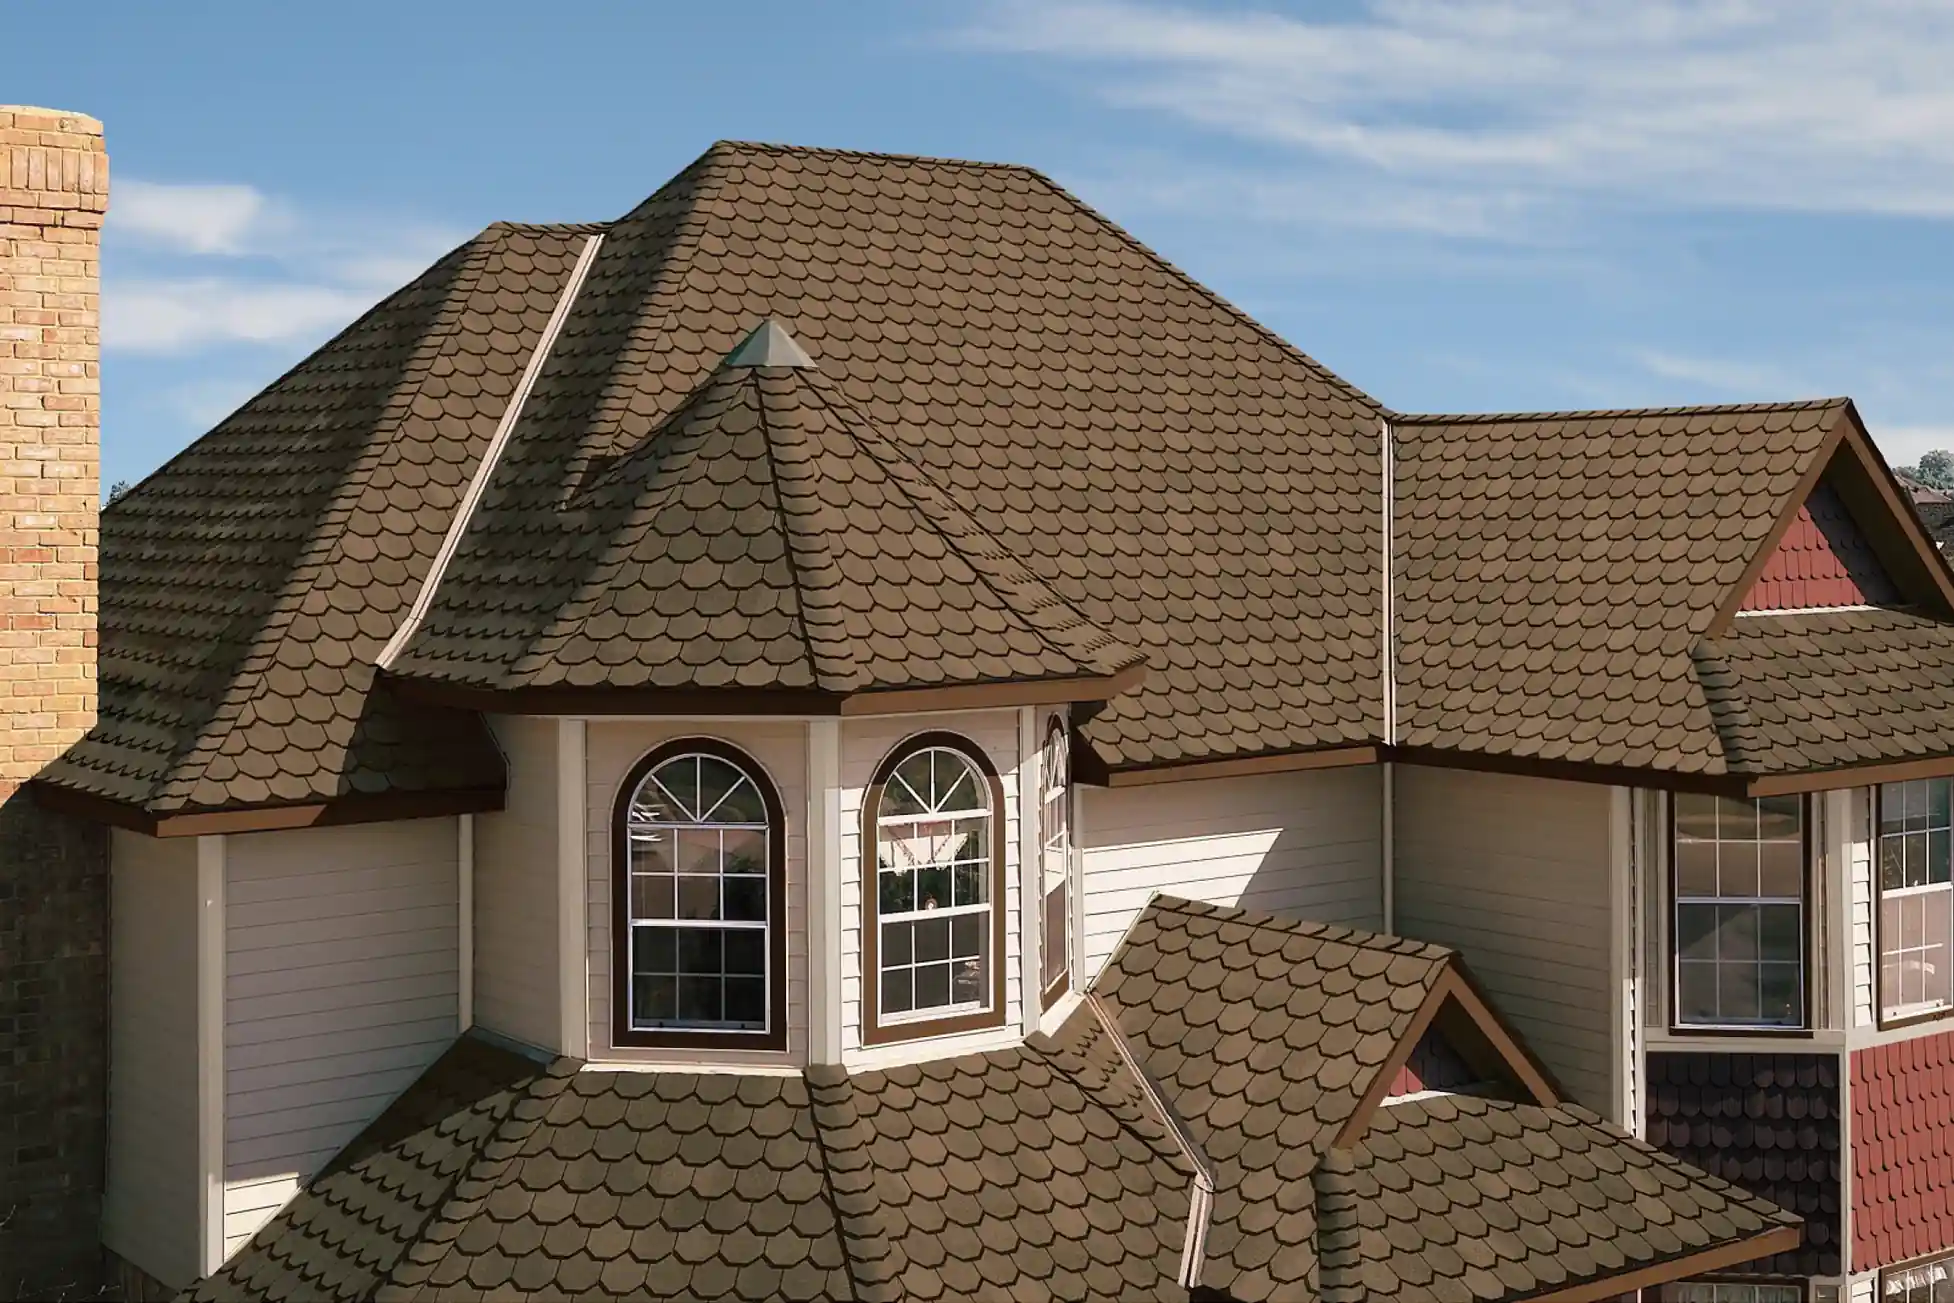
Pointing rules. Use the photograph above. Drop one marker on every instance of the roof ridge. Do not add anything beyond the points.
(247, 682)
(831, 151)
(1705, 409)
(1361, 938)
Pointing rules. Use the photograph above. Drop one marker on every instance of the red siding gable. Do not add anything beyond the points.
(1823, 560)
(1902, 1150)
(1434, 1065)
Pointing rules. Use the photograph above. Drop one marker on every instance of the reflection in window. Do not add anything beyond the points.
(1915, 899)
(699, 849)
(1739, 925)
(1054, 813)
(933, 887)
(1731, 1292)
(1923, 1282)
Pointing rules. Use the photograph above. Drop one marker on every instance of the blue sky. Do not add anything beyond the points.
(1457, 204)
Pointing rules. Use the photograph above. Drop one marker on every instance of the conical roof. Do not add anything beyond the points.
(767, 538)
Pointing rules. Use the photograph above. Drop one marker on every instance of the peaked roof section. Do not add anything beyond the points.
(763, 538)
(247, 585)
(1187, 482)
(1823, 560)
(1558, 574)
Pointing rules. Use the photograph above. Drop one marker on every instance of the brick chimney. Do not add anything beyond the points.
(54, 189)
(53, 870)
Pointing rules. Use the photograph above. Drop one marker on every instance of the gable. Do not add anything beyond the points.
(1822, 560)
(1434, 1065)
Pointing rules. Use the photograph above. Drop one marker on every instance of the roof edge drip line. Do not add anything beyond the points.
(485, 469)
(1200, 1195)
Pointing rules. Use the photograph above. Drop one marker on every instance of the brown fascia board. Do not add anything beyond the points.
(1180, 771)
(1779, 1239)
(764, 702)
(1867, 775)
(1570, 771)
(1456, 1000)
(379, 807)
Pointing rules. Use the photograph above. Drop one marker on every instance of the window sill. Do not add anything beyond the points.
(1886, 1024)
(922, 1029)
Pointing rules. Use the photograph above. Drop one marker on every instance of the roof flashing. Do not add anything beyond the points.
(769, 344)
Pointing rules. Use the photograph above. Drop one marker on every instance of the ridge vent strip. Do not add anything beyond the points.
(485, 469)
(1200, 1196)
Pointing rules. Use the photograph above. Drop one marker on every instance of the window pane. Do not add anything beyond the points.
(935, 858)
(652, 896)
(898, 991)
(1737, 869)
(1696, 869)
(1781, 870)
(697, 850)
(1696, 992)
(698, 897)
(1056, 918)
(1892, 863)
(932, 888)
(1780, 818)
(745, 851)
(1737, 932)
(1780, 935)
(654, 999)
(966, 935)
(1737, 993)
(699, 999)
(897, 894)
(1696, 927)
(1892, 806)
(746, 900)
(746, 951)
(1936, 867)
(654, 950)
(1780, 1000)
(651, 850)
(932, 986)
(1736, 819)
(932, 940)
(895, 943)
(1937, 980)
(746, 1000)
(699, 950)
(1696, 817)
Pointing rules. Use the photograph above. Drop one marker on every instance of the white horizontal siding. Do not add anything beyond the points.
(149, 1206)
(864, 744)
(1304, 844)
(340, 989)
(516, 973)
(780, 749)
(1860, 903)
(1514, 873)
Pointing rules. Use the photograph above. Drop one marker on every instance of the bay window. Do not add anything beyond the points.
(1916, 900)
(698, 902)
(933, 827)
(1739, 877)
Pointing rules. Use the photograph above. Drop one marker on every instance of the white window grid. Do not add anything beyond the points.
(644, 828)
(953, 828)
(1761, 963)
(1927, 1282)
(1731, 1292)
(1924, 873)
(1055, 818)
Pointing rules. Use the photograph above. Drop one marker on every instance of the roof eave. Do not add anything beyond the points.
(375, 807)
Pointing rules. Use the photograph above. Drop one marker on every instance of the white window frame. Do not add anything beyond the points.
(1055, 858)
(1678, 901)
(1891, 1014)
(988, 869)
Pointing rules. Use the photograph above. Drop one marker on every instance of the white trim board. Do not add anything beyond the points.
(210, 1052)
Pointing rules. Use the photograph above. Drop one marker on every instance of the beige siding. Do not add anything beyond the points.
(864, 744)
(149, 1208)
(778, 748)
(1514, 873)
(516, 974)
(1860, 903)
(1304, 844)
(339, 990)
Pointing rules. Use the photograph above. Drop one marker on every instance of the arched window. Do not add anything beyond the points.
(1055, 852)
(699, 949)
(934, 957)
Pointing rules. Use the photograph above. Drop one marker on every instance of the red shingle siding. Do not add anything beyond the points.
(1823, 560)
(1434, 1065)
(1902, 1150)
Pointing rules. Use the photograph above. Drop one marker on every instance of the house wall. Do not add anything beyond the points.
(864, 743)
(1856, 807)
(1304, 843)
(611, 749)
(516, 973)
(149, 1210)
(1513, 872)
(340, 988)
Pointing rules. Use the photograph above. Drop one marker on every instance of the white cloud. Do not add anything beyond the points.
(1756, 381)
(195, 219)
(1820, 105)
(1903, 444)
(183, 316)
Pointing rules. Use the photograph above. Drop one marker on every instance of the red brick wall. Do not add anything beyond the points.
(1823, 560)
(1902, 1150)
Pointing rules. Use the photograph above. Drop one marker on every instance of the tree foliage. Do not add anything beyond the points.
(1935, 469)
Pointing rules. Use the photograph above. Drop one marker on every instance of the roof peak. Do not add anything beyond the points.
(769, 344)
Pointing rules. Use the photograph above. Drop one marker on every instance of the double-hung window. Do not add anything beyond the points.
(1922, 1282)
(698, 947)
(1055, 833)
(1739, 924)
(1916, 900)
(1731, 1292)
(934, 822)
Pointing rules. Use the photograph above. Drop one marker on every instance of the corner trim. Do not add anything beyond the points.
(824, 978)
(491, 456)
(210, 1052)
(464, 922)
(1031, 887)
(572, 889)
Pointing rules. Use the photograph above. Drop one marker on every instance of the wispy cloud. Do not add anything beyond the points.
(1814, 105)
(207, 265)
(1728, 377)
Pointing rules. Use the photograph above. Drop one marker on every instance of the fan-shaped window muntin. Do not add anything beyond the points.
(935, 887)
(701, 904)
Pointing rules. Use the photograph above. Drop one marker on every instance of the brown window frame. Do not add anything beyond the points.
(623, 1034)
(874, 1032)
(1807, 948)
(1880, 1019)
